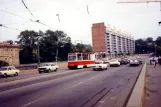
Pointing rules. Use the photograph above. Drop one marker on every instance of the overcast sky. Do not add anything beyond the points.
(141, 20)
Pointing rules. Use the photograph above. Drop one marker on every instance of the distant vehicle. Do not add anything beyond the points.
(134, 62)
(140, 60)
(123, 61)
(9, 70)
(100, 65)
(80, 60)
(49, 67)
(114, 62)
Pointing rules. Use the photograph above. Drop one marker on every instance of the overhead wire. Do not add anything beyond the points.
(22, 23)
(1, 25)
(36, 21)
(28, 9)
(15, 15)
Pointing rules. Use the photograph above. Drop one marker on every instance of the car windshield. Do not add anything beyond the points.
(46, 64)
(113, 60)
(3, 69)
(98, 62)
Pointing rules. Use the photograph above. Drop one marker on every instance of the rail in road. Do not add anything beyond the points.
(86, 88)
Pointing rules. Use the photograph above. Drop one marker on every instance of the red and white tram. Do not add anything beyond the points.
(80, 60)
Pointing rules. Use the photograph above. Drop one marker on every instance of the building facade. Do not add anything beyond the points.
(111, 41)
(9, 53)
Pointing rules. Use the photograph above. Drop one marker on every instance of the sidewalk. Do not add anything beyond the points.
(153, 86)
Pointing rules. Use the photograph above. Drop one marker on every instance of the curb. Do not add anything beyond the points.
(137, 95)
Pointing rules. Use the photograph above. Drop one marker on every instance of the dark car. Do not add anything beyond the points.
(123, 61)
(140, 61)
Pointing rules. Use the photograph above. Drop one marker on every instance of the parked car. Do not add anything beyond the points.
(134, 62)
(140, 60)
(100, 65)
(9, 70)
(114, 62)
(123, 61)
(48, 67)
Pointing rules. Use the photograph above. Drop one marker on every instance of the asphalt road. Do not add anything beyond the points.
(84, 88)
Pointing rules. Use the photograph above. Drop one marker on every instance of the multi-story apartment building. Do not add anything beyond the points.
(111, 41)
(9, 53)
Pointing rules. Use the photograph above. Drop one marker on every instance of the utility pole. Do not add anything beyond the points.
(155, 50)
(57, 53)
(38, 53)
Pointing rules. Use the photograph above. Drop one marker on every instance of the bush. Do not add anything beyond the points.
(3, 63)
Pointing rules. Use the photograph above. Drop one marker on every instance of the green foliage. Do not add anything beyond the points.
(2, 63)
(82, 48)
(49, 42)
(148, 45)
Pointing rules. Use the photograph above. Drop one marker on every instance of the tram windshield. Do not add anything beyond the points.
(72, 58)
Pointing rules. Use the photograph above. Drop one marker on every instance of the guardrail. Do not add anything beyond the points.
(34, 65)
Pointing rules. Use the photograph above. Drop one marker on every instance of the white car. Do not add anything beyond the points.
(48, 67)
(9, 70)
(100, 65)
(114, 62)
(134, 62)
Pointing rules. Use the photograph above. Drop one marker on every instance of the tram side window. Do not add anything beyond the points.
(79, 56)
(85, 56)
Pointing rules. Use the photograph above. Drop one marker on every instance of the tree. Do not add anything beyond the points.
(140, 46)
(150, 45)
(83, 47)
(9, 41)
(3, 63)
(49, 42)
(53, 41)
(149, 40)
(158, 50)
(27, 42)
(158, 41)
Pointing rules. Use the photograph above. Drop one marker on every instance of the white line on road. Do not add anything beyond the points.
(32, 102)
(80, 83)
(92, 78)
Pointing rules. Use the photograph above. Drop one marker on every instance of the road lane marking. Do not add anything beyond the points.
(92, 78)
(66, 90)
(32, 102)
(80, 83)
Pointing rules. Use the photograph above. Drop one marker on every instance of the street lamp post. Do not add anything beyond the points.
(38, 52)
(155, 50)
(56, 53)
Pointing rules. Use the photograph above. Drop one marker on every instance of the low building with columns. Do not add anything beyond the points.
(111, 41)
(9, 53)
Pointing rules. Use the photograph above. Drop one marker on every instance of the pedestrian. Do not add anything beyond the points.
(151, 60)
(156, 61)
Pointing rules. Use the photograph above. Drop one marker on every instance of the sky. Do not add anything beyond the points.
(140, 20)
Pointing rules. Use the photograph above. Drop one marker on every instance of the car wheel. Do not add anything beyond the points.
(93, 69)
(16, 74)
(5, 75)
(40, 72)
(49, 70)
(56, 69)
